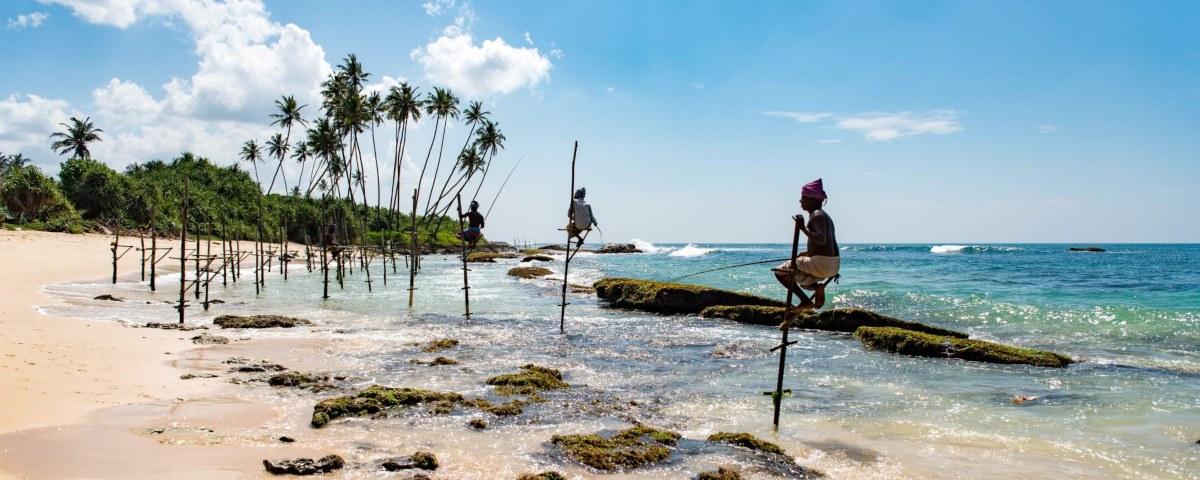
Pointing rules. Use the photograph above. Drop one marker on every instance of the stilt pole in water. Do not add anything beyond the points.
(466, 286)
(142, 249)
(153, 254)
(412, 253)
(777, 396)
(197, 261)
(183, 220)
(562, 316)
(115, 244)
(208, 259)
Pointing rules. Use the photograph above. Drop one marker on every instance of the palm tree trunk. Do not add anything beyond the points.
(437, 168)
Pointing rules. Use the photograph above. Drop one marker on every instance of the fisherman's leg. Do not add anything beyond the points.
(789, 282)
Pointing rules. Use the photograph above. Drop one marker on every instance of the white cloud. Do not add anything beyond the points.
(528, 38)
(801, 117)
(29, 20)
(26, 124)
(1046, 129)
(434, 8)
(884, 126)
(489, 68)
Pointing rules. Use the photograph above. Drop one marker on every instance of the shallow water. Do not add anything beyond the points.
(1129, 409)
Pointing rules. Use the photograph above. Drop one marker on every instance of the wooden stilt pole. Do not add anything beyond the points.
(466, 286)
(115, 244)
(224, 254)
(412, 265)
(208, 273)
(142, 248)
(153, 254)
(183, 221)
(197, 262)
(777, 395)
(562, 316)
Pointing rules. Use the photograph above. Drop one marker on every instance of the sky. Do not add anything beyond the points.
(929, 122)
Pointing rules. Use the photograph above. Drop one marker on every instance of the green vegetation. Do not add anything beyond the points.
(663, 297)
(630, 448)
(722, 473)
(529, 272)
(375, 399)
(836, 320)
(548, 475)
(440, 344)
(745, 440)
(296, 379)
(258, 321)
(908, 342)
(531, 379)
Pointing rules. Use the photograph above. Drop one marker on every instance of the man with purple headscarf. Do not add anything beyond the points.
(812, 269)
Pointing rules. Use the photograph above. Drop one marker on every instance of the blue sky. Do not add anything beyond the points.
(940, 122)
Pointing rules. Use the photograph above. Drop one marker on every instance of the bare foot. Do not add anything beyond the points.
(819, 295)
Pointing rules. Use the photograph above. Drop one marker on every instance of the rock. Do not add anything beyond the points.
(573, 288)
(258, 321)
(553, 248)
(477, 423)
(836, 320)
(722, 473)
(375, 399)
(507, 409)
(189, 376)
(663, 297)
(531, 379)
(1086, 249)
(435, 362)
(174, 326)
(440, 344)
(630, 448)
(297, 379)
(908, 342)
(619, 248)
(286, 439)
(537, 258)
(746, 440)
(109, 298)
(488, 257)
(305, 466)
(260, 367)
(209, 339)
(550, 475)
(419, 460)
(529, 272)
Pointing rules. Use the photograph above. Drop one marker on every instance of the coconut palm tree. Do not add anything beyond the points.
(287, 115)
(474, 114)
(375, 110)
(444, 105)
(76, 137)
(277, 147)
(252, 153)
(404, 105)
(300, 154)
(490, 142)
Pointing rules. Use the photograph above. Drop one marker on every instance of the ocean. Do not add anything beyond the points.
(1129, 409)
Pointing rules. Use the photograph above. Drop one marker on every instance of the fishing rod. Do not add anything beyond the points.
(760, 262)
(501, 190)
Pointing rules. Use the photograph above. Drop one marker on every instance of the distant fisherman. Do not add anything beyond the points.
(580, 218)
(474, 229)
(812, 269)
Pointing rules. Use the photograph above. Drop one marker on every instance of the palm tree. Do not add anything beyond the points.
(10, 163)
(490, 142)
(324, 145)
(252, 153)
(300, 154)
(444, 104)
(404, 105)
(375, 110)
(474, 114)
(287, 115)
(76, 137)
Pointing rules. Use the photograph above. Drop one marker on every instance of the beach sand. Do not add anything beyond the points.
(99, 400)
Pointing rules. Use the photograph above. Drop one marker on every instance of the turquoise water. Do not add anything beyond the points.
(1129, 409)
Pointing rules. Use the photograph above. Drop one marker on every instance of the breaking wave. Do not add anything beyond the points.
(972, 249)
(647, 247)
(691, 250)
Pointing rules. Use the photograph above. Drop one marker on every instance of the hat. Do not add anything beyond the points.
(580, 193)
(814, 190)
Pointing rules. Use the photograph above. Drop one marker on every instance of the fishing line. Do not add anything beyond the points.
(760, 262)
(498, 192)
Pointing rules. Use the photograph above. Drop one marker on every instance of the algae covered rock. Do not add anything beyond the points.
(619, 248)
(529, 272)
(549, 475)
(375, 399)
(477, 423)
(305, 466)
(537, 258)
(419, 460)
(440, 344)
(749, 314)
(297, 379)
(258, 321)
(836, 320)
(908, 342)
(488, 257)
(746, 440)
(663, 297)
(209, 339)
(722, 473)
(529, 380)
(507, 409)
(630, 448)
(439, 361)
(109, 297)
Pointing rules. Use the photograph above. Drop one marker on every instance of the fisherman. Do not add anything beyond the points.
(814, 268)
(580, 218)
(474, 229)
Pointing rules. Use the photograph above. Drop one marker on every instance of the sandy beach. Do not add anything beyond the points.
(88, 399)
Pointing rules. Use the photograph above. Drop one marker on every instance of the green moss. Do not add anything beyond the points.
(440, 344)
(662, 297)
(745, 440)
(551, 475)
(425, 461)
(439, 361)
(530, 379)
(487, 257)
(629, 448)
(836, 320)
(529, 272)
(907, 342)
(722, 473)
(258, 321)
(296, 379)
(507, 409)
(375, 399)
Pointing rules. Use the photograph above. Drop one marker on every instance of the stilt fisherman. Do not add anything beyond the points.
(580, 218)
(814, 268)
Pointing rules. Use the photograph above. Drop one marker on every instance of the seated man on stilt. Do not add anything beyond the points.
(580, 218)
(814, 268)
(474, 229)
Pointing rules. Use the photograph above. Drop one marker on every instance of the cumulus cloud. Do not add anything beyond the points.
(29, 20)
(488, 68)
(884, 126)
(26, 123)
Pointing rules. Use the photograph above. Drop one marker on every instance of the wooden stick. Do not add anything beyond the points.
(777, 397)
(466, 286)
(153, 253)
(116, 241)
(183, 253)
(412, 266)
(562, 316)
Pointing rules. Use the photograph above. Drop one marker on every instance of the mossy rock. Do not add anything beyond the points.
(305, 466)
(746, 440)
(908, 342)
(663, 297)
(440, 344)
(529, 272)
(550, 475)
(419, 460)
(836, 320)
(630, 448)
(209, 339)
(488, 257)
(375, 399)
(530, 379)
(722, 473)
(439, 361)
(507, 409)
(258, 321)
(537, 258)
(296, 379)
